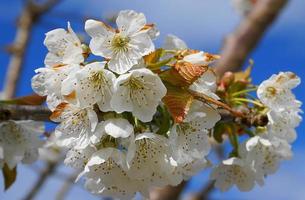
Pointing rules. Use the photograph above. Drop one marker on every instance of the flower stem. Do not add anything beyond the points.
(243, 91)
(248, 101)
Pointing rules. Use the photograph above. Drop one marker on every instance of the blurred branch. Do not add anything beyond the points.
(239, 44)
(24, 112)
(29, 15)
(236, 48)
(68, 184)
(49, 170)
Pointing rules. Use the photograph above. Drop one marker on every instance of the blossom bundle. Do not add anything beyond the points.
(142, 117)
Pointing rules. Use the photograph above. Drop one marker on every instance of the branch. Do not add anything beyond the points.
(49, 170)
(42, 113)
(30, 14)
(239, 44)
(68, 184)
(24, 112)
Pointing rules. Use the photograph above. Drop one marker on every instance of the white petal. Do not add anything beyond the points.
(172, 42)
(130, 22)
(118, 127)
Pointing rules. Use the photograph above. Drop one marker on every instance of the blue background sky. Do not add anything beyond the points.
(203, 25)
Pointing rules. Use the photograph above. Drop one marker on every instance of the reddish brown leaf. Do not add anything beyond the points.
(178, 102)
(183, 73)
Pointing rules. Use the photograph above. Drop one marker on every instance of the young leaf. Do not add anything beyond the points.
(178, 102)
(154, 56)
(183, 73)
(9, 176)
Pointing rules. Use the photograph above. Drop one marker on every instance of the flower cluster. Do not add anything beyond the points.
(111, 115)
(261, 154)
(142, 117)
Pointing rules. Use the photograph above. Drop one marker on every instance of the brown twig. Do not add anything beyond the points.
(30, 14)
(239, 44)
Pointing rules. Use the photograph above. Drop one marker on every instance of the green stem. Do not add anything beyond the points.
(248, 101)
(243, 91)
(170, 51)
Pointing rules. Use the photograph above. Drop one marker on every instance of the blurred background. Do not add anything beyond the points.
(202, 24)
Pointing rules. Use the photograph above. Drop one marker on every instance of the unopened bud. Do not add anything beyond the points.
(227, 79)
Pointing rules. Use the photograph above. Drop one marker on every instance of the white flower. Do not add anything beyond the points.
(78, 158)
(187, 170)
(139, 92)
(64, 48)
(105, 173)
(233, 171)
(76, 125)
(112, 129)
(48, 82)
(190, 138)
(92, 84)
(276, 93)
(282, 123)
(125, 47)
(206, 84)
(265, 154)
(172, 42)
(19, 141)
(150, 160)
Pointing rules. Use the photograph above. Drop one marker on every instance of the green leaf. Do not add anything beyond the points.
(9, 176)
(165, 123)
(219, 131)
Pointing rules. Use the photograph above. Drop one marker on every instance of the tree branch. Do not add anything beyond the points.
(30, 14)
(239, 44)
(24, 112)
(68, 184)
(50, 169)
(42, 113)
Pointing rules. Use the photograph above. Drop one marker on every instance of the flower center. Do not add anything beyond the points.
(120, 43)
(271, 91)
(97, 79)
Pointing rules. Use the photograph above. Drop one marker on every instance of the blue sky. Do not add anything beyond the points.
(203, 25)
